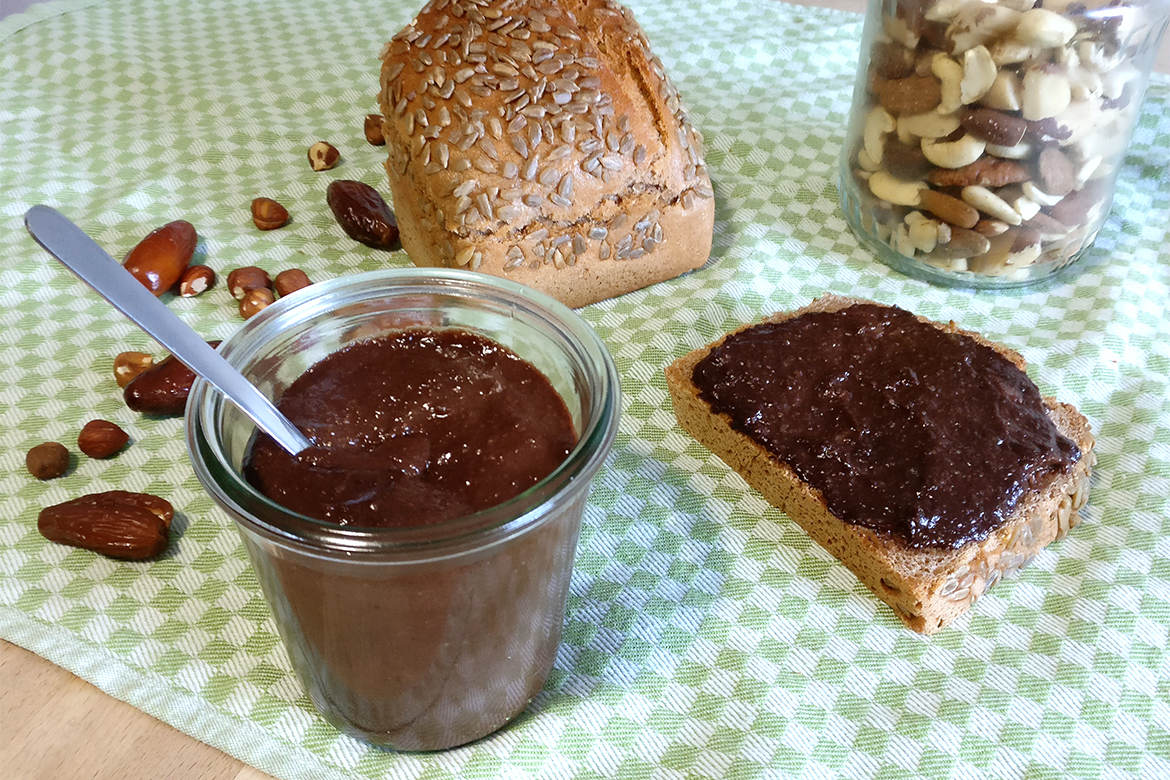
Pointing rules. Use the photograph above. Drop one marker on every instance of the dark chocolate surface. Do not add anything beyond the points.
(413, 429)
(907, 430)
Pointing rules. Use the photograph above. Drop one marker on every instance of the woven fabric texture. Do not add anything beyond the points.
(706, 636)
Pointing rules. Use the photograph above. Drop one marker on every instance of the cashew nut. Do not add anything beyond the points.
(991, 204)
(1009, 51)
(923, 231)
(877, 125)
(1024, 206)
(1004, 94)
(1092, 55)
(867, 163)
(1020, 151)
(902, 241)
(900, 193)
(946, 10)
(1039, 196)
(1084, 84)
(979, 74)
(953, 154)
(950, 73)
(896, 28)
(1044, 29)
(931, 124)
(1046, 92)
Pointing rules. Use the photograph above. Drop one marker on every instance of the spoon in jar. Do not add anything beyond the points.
(81, 255)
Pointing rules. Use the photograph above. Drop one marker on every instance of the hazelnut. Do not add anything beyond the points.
(195, 280)
(47, 461)
(101, 439)
(323, 156)
(128, 365)
(290, 281)
(256, 301)
(373, 130)
(242, 280)
(267, 214)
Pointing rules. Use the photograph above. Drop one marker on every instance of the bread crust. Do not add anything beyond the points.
(926, 588)
(542, 141)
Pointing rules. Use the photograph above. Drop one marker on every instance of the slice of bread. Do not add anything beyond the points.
(926, 587)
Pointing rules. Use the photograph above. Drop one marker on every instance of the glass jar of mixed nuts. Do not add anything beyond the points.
(986, 137)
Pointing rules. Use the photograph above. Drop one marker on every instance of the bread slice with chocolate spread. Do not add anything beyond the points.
(927, 585)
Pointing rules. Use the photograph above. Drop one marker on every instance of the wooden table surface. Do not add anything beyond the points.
(54, 725)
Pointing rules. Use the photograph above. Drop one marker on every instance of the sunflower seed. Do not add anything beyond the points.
(557, 200)
(486, 144)
(485, 164)
(538, 235)
(688, 200)
(460, 164)
(703, 191)
(520, 145)
(463, 75)
(511, 170)
(464, 256)
(639, 154)
(611, 162)
(529, 171)
(598, 233)
(565, 188)
(548, 177)
(532, 201)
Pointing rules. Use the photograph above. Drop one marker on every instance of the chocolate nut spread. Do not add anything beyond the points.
(430, 651)
(906, 429)
(414, 429)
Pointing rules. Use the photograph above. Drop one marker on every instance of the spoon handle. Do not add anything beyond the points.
(81, 255)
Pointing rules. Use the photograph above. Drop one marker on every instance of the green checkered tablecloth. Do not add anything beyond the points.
(706, 637)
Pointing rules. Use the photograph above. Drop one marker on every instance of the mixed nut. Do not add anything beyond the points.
(989, 133)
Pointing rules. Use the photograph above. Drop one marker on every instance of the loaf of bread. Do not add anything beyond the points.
(927, 586)
(542, 141)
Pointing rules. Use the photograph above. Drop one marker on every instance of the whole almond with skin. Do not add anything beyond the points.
(197, 279)
(323, 156)
(101, 439)
(290, 281)
(267, 214)
(162, 389)
(373, 130)
(256, 301)
(158, 261)
(950, 210)
(128, 365)
(118, 524)
(48, 460)
(249, 277)
(363, 214)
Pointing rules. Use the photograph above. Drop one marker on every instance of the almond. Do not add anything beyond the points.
(118, 524)
(950, 210)
(101, 439)
(160, 259)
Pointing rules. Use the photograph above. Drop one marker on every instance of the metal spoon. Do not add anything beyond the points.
(81, 255)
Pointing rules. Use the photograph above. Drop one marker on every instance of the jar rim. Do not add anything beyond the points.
(259, 514)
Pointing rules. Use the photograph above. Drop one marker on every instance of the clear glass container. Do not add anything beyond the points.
(985, 138)
(428, 637)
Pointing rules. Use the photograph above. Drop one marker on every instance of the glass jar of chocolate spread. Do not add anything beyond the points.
(415, 631)
(986, 137)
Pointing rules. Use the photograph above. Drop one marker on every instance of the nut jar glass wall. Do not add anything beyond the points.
(417, 638)
(985, 138)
